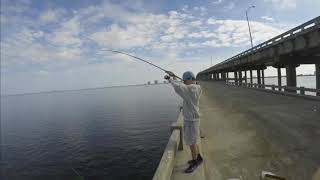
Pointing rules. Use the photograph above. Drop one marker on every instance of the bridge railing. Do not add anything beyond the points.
(302, 90)
(303, 28)
(175, 143)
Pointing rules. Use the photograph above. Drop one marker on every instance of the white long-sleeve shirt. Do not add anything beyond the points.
(190, 95)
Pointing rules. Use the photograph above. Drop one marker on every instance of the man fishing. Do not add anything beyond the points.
(190, 92)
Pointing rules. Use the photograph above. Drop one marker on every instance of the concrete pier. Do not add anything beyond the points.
(251, 81)
(259, 76)
(317, 72)
(279, 78)
(291, 75)
(245, 136)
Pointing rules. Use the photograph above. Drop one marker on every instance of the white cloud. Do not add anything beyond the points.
(67, 34)
(121, 38)
(211, 20)
(51, 15)
(229, 6)
(283, 4)
(267, 18)
(33, 51)
(217, 1)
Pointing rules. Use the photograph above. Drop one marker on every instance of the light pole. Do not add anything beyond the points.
(249, 23)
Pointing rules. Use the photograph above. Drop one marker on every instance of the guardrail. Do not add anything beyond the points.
(303, 28)
(302, 90)
(175, 143)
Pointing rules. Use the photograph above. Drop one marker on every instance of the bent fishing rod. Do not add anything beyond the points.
(135, 57)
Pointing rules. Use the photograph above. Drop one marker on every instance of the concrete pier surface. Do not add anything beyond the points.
(249, 131)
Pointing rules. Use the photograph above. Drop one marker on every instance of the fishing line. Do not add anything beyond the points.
(135, 57)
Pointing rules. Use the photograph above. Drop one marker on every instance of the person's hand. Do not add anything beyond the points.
(166, 77)
(170, 73)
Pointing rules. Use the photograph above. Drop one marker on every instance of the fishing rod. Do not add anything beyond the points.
(135, 57)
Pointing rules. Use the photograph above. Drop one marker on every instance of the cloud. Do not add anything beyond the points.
(51, 15)
(229, 6)
(33, 51)
(121, 38)
(217, 1)
(66, 34)
(283, 4)
(267, 18)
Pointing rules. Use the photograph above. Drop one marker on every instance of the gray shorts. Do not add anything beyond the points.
(191, 131)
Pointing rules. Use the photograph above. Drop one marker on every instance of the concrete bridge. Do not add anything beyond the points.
(252, 130)
(300, 45)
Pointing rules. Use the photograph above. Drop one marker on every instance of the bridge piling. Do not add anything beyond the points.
(251, 80)
(262, 74)
(235, 77)
(227, 78)
(245, 76)
(279, 78)
(240, 77)
(291, 76)
(317, 77)
(258, 77)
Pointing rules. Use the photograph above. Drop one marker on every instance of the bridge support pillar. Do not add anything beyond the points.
(318, 77)
(291, 76)
(235, 77)
(279, 78)
(227, 77)
(224, 76)
(251, 80)
(240, 77)
(245, 77)
(262, 76)
(258, 77)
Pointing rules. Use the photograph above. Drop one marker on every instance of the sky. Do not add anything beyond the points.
(58, 44)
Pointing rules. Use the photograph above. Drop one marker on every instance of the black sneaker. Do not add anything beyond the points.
(199, 159)
(193, 166)
(191, 161)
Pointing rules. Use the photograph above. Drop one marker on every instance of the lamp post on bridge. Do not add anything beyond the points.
(249, 23)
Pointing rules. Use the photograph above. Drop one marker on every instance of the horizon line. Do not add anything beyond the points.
(82, 89)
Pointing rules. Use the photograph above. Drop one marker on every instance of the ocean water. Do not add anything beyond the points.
(112, 133)
(302, 81)
(305, 81)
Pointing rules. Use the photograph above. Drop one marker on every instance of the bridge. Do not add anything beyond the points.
(300, 45)
(252, 130)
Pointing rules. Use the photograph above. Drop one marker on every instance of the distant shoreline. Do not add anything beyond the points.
(134, 85)
(84, 89)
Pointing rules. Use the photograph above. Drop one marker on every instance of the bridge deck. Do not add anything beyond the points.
(247, 131)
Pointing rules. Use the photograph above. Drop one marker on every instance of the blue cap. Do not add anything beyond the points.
(188, 75)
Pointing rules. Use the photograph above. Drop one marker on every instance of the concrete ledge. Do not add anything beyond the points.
(165, 167)
(314, 98)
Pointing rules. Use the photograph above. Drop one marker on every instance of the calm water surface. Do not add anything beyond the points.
(113, 133)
